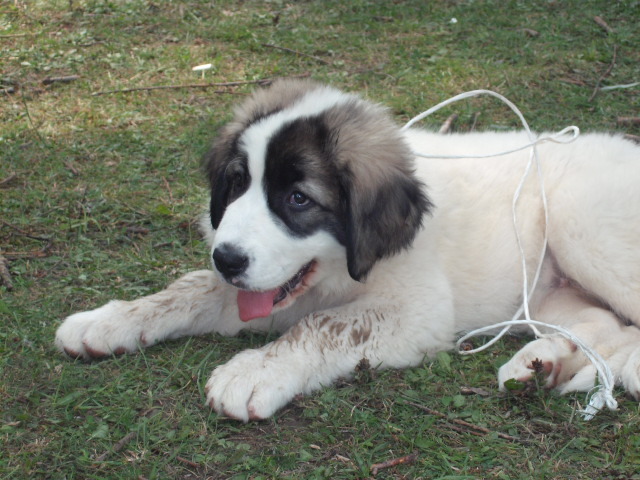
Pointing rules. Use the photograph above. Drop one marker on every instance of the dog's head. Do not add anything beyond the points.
(307, 180)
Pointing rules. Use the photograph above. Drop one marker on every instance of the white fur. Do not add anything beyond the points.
(462, 272)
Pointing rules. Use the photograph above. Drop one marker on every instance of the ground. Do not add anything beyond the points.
(100, 189)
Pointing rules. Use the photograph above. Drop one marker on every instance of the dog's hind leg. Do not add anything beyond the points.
(594, 223)
(195, 304)
(564, 365)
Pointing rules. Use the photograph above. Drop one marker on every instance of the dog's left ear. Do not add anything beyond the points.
(384, 212)
(383, 201)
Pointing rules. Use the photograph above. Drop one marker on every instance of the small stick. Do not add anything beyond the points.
(605, 74)
(628, 120)
(33, 254)
(463, 423)
(72, 169)
(161, 87)
(296, 52)
(134, 230)
(474, 391)
(376, 467)
(600, 21)
(5, 181)
(5, 275)
(464, 430)
(18, 35)
(573, 81)
(262, 81)
(119, 445)
(25, 233)
(448, 124)
(66, 79)
(168, 187)
(187, 462)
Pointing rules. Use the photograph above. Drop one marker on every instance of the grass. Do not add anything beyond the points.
(101, 194)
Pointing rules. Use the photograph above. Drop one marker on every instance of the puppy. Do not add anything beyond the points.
(325, 226)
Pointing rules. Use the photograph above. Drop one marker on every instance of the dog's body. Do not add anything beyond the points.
(323, 231)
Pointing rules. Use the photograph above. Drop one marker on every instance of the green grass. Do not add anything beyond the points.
(104, 191)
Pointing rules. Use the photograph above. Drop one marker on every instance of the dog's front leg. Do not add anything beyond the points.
(315, 352)
(195, 304)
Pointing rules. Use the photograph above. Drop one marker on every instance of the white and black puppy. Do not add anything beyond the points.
(324, 226)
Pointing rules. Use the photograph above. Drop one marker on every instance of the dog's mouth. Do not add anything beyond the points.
(260, 304)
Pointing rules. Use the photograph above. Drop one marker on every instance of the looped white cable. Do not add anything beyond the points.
(603, 394)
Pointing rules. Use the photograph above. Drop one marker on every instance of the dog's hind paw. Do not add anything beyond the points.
(555, 359)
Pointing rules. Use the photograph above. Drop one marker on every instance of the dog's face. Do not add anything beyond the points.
(307, 182)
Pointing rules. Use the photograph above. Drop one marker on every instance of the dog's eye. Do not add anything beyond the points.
(298, 199)
(237, 182)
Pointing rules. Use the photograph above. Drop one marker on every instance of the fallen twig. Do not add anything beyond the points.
(187, 462)
(261, 81)
(5, 275)
(44, 252)
(119, 445)
(628, 120)
(25, 233)
(474, 391)
(463, 423)
(161, 87)
(18, 35)
(605, 74)
(455, 428)
(573, 81)
(65, 79)
(530, 32)
(296, 52)
(376, 467)
(600, 21)
(448, 124)
(136, 230)
(74, 171)
(6, 181)
(168, 187)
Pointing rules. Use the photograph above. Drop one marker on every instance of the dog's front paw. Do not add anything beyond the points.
(99, 333)
(253, 385)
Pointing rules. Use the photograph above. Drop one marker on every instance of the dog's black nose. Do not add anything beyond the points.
(230, 261)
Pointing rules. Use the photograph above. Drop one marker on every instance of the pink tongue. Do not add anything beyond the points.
(255, 304)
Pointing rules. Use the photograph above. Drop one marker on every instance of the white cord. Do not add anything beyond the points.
(603, 394)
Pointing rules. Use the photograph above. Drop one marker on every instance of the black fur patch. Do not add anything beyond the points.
(300, 159)
(228, 176)
(262, 104)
